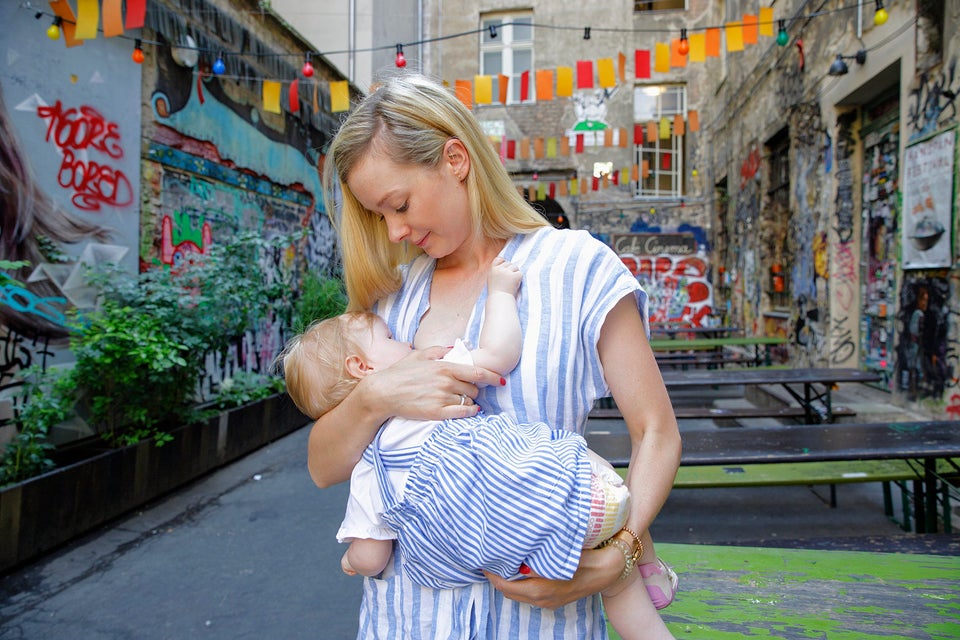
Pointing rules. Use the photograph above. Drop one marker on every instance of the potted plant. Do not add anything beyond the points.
(141, 357)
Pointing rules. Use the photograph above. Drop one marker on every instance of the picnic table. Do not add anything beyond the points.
(927, 441)
(671, 330)
(810, 388)
(668, 348)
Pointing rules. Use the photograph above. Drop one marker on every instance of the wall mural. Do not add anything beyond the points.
(935, 97)
(674, 271)
(845, 259)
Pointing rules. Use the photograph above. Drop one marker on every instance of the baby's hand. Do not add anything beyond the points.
(504, 276)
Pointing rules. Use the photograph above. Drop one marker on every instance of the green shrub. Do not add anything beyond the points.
(320, 297)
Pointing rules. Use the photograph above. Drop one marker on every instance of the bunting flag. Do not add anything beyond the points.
(524, 86)
(112, 18)
(608, 77)
(641, 64)
(538, 149)
(574, 187)
(664, 128)
(271, 96)
(293, 96)
(638, 134)
(564, 82)
(678, 125)
(525, 148)
(693, 120)
(713, 42)
(483, 89)
(464, 91)
(136, 13)
(734, 31)
(584, 74)
(622, 67)
(504, 84)
(544, 80)
(564, 146)
(551, 147)
(88, 18)
(339, 96)
(698, 47)
(652, 132)
(766, 21)
(661, 60)
(750, 28)
(622, 137)
(511, 149)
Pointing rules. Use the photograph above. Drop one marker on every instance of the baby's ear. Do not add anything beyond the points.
(356, 367)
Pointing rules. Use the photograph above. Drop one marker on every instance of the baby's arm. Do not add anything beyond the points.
(366, 556)
(500, 338)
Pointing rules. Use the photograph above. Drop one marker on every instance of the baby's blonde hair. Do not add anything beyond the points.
(314, 362)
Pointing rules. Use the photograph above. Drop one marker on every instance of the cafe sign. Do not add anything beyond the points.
(654, 244)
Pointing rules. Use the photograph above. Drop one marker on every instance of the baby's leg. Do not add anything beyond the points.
(610, 507)
(630, 611)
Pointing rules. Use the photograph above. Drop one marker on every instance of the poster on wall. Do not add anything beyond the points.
(928, 201)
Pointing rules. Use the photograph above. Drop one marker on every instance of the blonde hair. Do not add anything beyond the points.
(410, 118)
(314, 362)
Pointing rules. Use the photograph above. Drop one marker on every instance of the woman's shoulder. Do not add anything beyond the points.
(548, 243)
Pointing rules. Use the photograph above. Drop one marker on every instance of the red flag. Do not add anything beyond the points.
(524, 86)
(136, 12)
(641, 63)
(638, 134)
(584, 74)
(294, 96)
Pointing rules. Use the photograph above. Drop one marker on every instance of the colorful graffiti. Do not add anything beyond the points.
(675, 274)
(845, 261)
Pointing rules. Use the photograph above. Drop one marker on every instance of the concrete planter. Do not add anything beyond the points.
(96, 485)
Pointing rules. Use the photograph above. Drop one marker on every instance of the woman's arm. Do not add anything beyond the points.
(634, 380)
(420, 387)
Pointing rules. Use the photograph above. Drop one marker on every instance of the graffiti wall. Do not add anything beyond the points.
(674, 271)
(926, 363)
(70, 149)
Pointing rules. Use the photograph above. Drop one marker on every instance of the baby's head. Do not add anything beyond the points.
(323, 364)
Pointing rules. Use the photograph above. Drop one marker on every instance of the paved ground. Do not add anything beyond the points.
(249, 552)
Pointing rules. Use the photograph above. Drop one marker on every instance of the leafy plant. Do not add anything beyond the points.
(244, 388)
(320, 297)
(50, 402)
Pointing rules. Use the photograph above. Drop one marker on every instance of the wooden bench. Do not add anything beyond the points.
(927, 442)
(739, 592)
(732, 413)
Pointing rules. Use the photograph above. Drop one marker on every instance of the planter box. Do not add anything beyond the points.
(41, 513)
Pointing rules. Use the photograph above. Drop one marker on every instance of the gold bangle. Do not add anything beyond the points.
(628, 562)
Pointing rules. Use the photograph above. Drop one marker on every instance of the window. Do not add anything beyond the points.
(660, 159)
(506, 46)
(778, 149)
(658, 5)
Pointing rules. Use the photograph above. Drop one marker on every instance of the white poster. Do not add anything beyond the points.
(928, 202)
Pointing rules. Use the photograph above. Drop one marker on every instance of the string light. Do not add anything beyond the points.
(137, 55)
(880, 16)
(684, 47)
(218, 66)
(493, 31)
(53, 31)
(401, 60)
(782, 37)
(307, 67)
(586, 33)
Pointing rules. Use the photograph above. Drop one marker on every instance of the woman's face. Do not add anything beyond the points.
(425, 206)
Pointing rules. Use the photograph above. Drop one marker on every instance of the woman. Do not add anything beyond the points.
(426, 207)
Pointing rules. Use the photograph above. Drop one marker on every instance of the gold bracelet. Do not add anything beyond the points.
(636, 538)
(628, 562)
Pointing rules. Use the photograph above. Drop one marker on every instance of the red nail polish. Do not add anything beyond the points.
(503, 381)
(524, 569)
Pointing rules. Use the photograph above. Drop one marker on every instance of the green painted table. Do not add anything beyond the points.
(747, 592)
(760, 345)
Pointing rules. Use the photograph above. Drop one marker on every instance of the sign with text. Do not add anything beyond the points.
(928, 201)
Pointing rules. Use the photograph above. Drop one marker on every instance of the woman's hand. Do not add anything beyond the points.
(599, 569)
(419, 387)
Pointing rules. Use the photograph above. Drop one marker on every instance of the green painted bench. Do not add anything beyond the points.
(748, 592)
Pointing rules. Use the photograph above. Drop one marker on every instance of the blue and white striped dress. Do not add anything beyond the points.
(570, 282)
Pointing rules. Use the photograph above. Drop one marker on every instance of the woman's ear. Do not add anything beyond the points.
(457, 158)
(356, 367)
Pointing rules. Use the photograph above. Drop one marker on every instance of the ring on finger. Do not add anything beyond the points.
(463, 399)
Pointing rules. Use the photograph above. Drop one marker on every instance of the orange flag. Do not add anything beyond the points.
(538, 148)
(622, 67)
(750, 28)
(713, 42)
(544, 81)
(464, 91)
(693, 120)
(677, 59)
(678, 125)
(112, 18)
(503, 83)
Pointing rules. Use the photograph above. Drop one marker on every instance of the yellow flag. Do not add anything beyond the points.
(271, 96)
(766, 21)
(564, 82)
(664, 128)
(608, 76)
(698, 47)
(734, 32)
(88, 17)
(661, 63)
(483, 89)
(339, 96)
